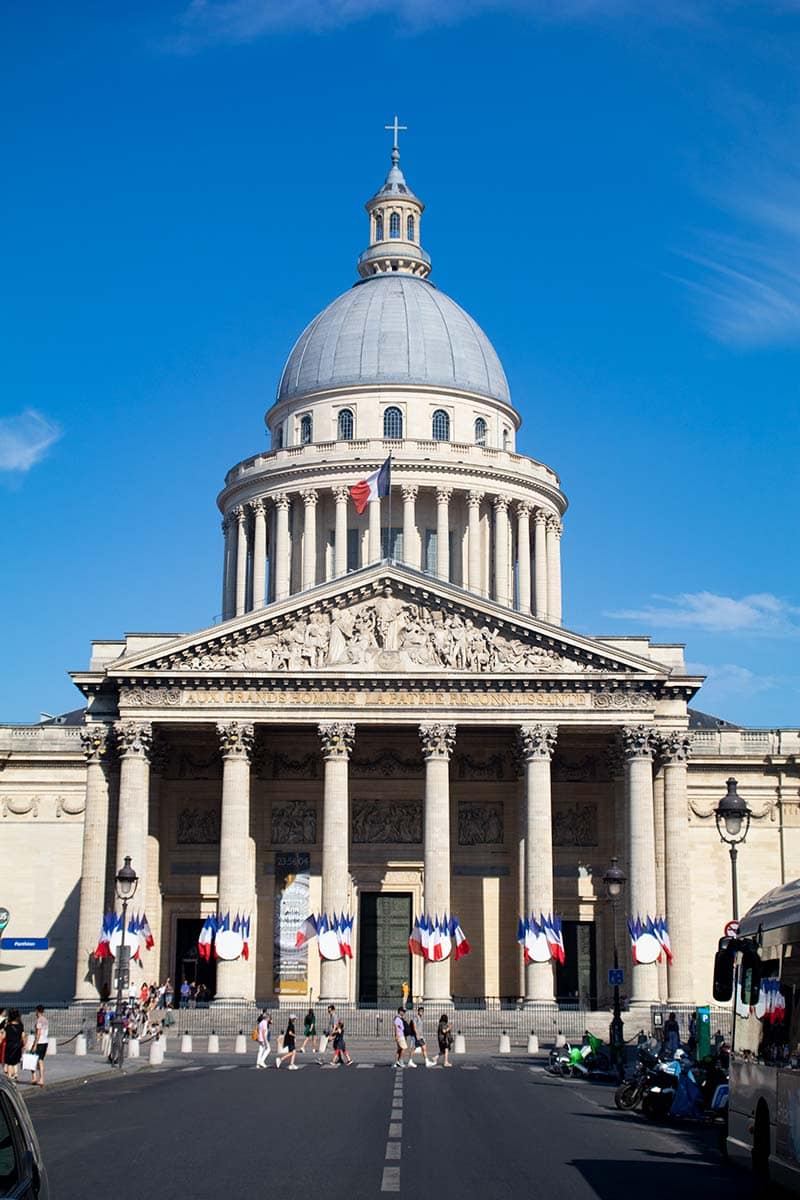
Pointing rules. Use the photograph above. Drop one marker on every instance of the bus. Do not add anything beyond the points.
(760, 969)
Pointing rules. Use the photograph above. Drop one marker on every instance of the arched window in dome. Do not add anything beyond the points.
(480, 431)
(345, 425)
(394, 225)
(392, 423)
(306, 429)
(506, 439)
(440, 430)
(410, 229)
(278, 438)
(379, 227)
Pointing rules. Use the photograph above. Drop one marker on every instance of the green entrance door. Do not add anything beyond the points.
(575, 980)
(384, 961)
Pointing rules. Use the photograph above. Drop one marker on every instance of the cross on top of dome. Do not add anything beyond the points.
(396, 128)
(394, 223)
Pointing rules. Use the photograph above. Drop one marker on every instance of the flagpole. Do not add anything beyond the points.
(389, 531)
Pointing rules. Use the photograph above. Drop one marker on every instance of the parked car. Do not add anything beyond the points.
(22, 1171)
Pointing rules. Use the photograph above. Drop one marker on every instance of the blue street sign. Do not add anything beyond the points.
(616, 977)
(20, 943)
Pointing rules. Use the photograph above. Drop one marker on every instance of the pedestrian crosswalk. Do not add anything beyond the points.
(362, 1066)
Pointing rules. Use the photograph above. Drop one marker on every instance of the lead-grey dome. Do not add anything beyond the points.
(393, 328)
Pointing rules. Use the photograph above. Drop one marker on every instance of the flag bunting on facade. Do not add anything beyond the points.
(374, 486)
(434, 939)
(339, 924)
(542, 938)
(649, 940)
(771, 1006)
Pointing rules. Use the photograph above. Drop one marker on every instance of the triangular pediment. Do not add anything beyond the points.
(386, 619)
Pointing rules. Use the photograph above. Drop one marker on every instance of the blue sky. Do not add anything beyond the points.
(614, 197)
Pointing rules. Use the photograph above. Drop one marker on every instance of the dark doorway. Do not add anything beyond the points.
(188, 963)
(384, 960)
(576, 979)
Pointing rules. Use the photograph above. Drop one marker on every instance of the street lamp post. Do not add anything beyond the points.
(733, 823)
(125, 882)
(614, 880)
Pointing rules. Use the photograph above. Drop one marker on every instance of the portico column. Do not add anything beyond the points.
(337, 738)
(474, 564)
(239, 517)
(554, 570)
(95, 741)
(501, 549)
(524, 553)
(310, 498)
(540, 563)
(638, 743)
(259, 552)
(443, 495)
(409, 491)
(438, 741)
(134, 742)
(374, 518)
(537, 743)
(236, 883)
(341, 496)
(675, 749)
(281, 546)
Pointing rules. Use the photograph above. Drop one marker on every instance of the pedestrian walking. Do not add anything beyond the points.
(289, 1046)
(400, 1043)
(672, 1035)
(40, 1043)
(419, 1036)
(444, 1038)
(340, 1054)
(309, 1031)
(327, 1037)
(15, 1038)
(262, 1038)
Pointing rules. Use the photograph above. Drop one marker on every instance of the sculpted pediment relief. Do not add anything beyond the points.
(390, 628)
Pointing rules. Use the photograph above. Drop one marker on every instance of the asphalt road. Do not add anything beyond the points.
(497, 1130)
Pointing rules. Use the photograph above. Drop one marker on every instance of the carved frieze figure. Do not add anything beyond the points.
(294, 822)
(385, 633)
(480, 824)
(198, 827)
(387, 821)
(575, 825)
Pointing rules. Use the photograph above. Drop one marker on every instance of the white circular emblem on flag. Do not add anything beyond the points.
(228, 944)
(648, 948)
(539, 949)
(329, 946)
(115, 941)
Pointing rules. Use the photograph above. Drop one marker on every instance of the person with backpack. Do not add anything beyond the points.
(445, 1040)
(289, 1046)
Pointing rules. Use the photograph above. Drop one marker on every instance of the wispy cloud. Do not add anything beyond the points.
(207, 21)
(724, 680)
(25, 439)
(761, 614)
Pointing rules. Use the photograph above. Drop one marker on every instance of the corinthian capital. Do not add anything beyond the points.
(638, 741)
(540, 517)
(537, 741)
(239, 515)
(235, 738)
(474, 499)
(554, 525)
(341, 493)
(310, 497)
(409, 491)
(134, 737)
(337, 738)
(95, 741)
(675, 746)
(443, 495)
(523, 509)
(500, 504)
(281, 500)
(437, 739)
(257, 508)
(226, 524)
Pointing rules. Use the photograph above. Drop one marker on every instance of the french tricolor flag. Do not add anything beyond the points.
(373, 487)
(206, 938)
(459, 939)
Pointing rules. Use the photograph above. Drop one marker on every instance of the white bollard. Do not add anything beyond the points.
(213, 1043)
(133, 1048)
(241, 1044)
(460, 1046)
(156, 1053)
(80, 1045)
(505, 1044)
(533, 1044)
(52, 1047)
(186, 1043)
(105, 1045)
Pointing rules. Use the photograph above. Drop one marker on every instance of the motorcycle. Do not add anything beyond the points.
(589, 1059)
(628, 1095)
(684, 1089)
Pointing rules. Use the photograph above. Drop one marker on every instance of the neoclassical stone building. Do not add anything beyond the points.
(390, 717)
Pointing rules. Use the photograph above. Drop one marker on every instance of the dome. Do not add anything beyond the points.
(393, 328)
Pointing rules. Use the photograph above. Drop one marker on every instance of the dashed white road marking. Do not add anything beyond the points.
(365, 1066)
(391, 1179)
(469, 1068)
(499, 1068)
(231, 1067)
(394, 1149)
